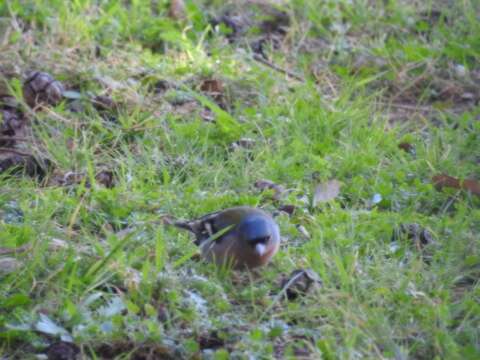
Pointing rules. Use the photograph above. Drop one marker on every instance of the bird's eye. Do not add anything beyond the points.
(260, 240)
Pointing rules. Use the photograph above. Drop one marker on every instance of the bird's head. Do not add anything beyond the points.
(258, 233)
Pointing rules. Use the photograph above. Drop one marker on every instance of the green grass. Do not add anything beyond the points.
(101, 264)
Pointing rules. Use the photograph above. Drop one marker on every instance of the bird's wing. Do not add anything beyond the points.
(203, 227)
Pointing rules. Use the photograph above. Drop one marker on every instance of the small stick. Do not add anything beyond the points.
(278, 68)
(15, 138)
(14, 151)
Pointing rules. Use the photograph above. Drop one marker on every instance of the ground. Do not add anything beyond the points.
(355, 123)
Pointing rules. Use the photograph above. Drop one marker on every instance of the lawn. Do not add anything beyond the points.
(355, 123)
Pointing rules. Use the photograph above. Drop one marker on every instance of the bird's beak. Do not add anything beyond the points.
(260, 249)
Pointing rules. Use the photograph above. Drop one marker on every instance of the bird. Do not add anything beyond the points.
(242, 237)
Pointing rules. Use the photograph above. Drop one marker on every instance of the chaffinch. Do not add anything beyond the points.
(242, 236)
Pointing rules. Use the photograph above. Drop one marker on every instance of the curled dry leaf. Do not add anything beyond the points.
(407, 147)
(299, 283)
(287, 208)
(245, 143)
(62, 350)
(105, 178)
(212, 86)
(326, 192)
(11, 127)
(102, 177)
(42, 88)
(177, 10)
(104, 103)
(278, 190)
(215, 89)
(20, 162)
(420, 236)
(442, 180)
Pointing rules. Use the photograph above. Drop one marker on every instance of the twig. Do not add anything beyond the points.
(289, 73)
(16, 138)
(14, 151)
(406, 106)
(282, 292)
(260, 59)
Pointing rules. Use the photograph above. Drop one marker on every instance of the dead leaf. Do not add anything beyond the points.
(299, 283)
(245, 143)
(326, 192)
(278, 190)
(22, 162)
(104, 103)
(288, 208)
(407, 147)
(41, 88)
(102, 177)
(442, 180)
(212, 86)
(12, 126)
(420, 236)
(105, 178)
(177, 10)
(215, 89)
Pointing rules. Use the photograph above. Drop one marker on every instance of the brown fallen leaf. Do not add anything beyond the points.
(245, 143)
(177, 10)
(420, 236)
(407, 147)
(41, 88)
(326, 192)
(278, 190)
(443, 180)
(104, 103)
(299, 282)
(102, 177)
(19, 162)
(215, 89)
(105, 178)
(288, 208)
(11, 124)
